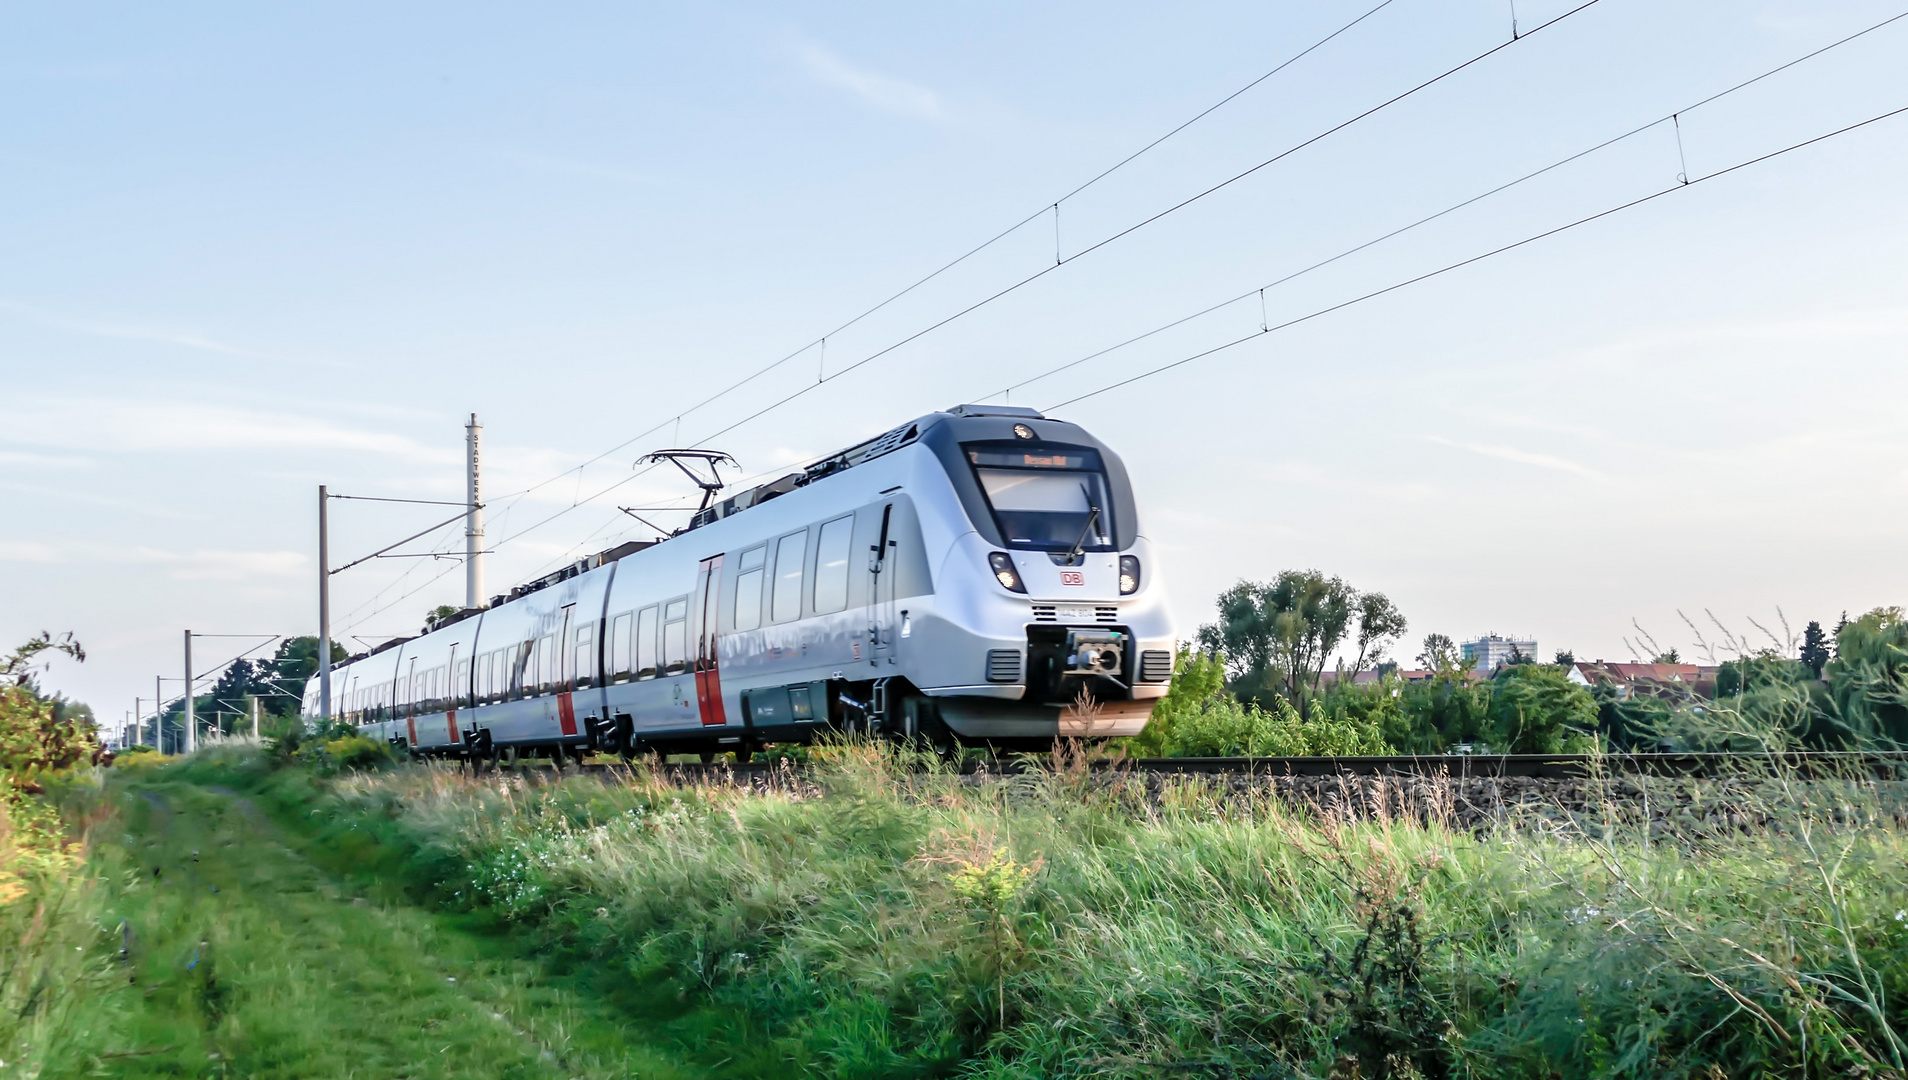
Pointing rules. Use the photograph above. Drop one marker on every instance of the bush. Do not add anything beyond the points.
(1222, 727)
(357, 752)
(1536, 709)
(138, 759)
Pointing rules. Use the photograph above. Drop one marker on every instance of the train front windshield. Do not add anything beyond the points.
(1048, 498)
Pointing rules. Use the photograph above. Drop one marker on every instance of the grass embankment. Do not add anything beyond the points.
(201, 939)
(890, 923)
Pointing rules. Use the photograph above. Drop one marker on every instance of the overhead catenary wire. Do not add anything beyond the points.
(1021, 283)
(822, 340)
(824, 378)
(1130, 229)
(1682, 183)
(1639, 129)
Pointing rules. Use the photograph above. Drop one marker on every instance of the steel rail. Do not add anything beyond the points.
(1456, 766)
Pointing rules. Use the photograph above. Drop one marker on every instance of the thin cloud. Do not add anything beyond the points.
(9, 458)
(199, 565)
(1524, 457)
(883, 92)
(17, 551)
(123, 425)
(183, 338)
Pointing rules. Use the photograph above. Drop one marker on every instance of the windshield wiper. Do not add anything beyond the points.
(1078, 554)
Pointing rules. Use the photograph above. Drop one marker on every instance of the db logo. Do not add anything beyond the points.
(1072, 577)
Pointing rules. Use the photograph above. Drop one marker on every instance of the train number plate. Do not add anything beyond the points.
(1073, 614)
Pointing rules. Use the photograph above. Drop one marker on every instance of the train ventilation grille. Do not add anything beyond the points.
(1003, 665)
(1156, 665)
(1050, 613)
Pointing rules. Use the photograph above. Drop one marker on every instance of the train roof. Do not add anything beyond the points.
(860, 453)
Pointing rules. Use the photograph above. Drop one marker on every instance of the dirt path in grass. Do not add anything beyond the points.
(247, 959)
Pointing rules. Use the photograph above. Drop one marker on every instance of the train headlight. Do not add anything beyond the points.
(1004, 572)
(1129, 575)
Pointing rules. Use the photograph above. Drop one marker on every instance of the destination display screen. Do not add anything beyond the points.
(1010, 456)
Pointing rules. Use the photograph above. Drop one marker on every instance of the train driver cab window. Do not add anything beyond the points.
(748, 588)
(790, 553)
(618, 659)
(831, 564)
(1048, 498)
(646, 663)
(675, 636)
(585, 653)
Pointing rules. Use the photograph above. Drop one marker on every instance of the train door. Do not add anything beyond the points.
(708, 678)
(564, 677)
(881, 604)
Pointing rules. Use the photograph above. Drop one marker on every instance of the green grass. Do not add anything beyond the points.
(889, 922)
(247, 958)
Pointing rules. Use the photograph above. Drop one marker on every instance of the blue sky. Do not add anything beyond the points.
(250, 250)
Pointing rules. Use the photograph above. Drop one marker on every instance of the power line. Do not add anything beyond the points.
(1129, 230)
(827, 378)
(1680, 185)
(970, 253)
(1453, 208)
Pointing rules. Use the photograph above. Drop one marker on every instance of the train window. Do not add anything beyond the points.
(585, 657)
(519, 655)
(552, 660)
(790, 552)
(646, 643)
(617, 661)
(831, 565)
(675, 636)
(462, 694)
(748, 589)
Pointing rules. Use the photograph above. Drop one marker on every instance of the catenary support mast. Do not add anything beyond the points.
(324, 608)
(191, 735)
(474, 517)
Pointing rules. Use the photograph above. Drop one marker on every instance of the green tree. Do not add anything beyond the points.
(1815, 648)
(1868, 679)
(441, 611)
(1667, 656)
(37, 734)
(1536, 709)
(283, 677)
(1277, 636)
(1441, 656)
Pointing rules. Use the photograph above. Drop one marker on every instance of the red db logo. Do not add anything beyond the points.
(1072, 577)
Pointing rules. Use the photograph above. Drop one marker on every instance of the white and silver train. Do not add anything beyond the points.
(971, 577)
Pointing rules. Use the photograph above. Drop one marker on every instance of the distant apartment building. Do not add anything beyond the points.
(1490, 652)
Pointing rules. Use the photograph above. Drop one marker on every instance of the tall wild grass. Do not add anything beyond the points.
(880, 918)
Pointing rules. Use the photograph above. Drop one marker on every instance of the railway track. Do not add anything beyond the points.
(1891, 766)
